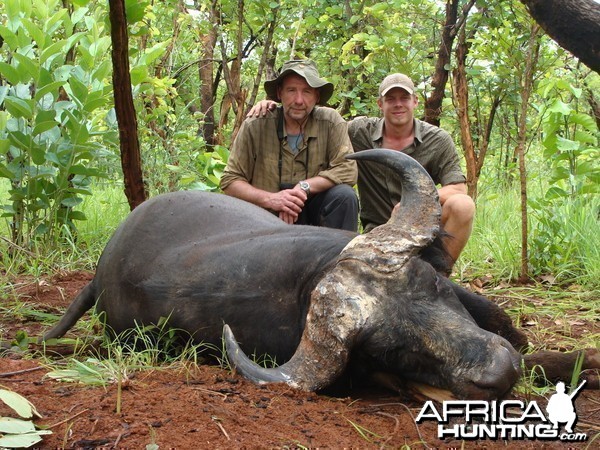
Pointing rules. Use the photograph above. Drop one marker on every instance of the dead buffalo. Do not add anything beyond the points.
(319, 299)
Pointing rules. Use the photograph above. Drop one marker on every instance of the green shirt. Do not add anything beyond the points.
(255, 153)
(378, 186)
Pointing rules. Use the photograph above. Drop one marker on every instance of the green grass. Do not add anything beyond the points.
(104, 211)
(564, 241)
(494, 246)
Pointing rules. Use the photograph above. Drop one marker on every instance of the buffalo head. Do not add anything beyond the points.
(383, 305)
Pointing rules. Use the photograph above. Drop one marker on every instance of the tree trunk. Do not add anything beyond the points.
(474, 150)
(461, 93)
(206, 70)
(533, 47)
(235, 97)
(433, 104)
(264, 59)
(594, 104)
(131, 160)
(573, 24)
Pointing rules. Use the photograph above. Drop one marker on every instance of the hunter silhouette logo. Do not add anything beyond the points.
(507, 419)
(560, 407)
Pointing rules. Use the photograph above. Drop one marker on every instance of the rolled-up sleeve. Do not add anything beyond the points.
(240, 165)
(448, 170)
(340, 170)
(333, 144)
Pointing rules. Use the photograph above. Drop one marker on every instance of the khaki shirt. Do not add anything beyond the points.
(255, 153)
(378, 186)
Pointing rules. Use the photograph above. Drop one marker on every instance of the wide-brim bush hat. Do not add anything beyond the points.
(307, 69)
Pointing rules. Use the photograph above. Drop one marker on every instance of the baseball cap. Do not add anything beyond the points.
(396, 80)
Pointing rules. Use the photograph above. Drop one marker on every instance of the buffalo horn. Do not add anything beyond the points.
(339, 308)
(414, 222)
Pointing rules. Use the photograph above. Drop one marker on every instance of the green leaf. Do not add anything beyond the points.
(79, 169)
(3, 93)
(45, 116)
(59, 20)
(9, 72)
(18, 403)
(71, 202)
(26, 65)
(5, 172)
(22, 440)
(52, 50)
(558, 106)
(81, 12)
(99, 47)
(15, 426)
(80, 2)
(43, 126)
(34, 32)
(139, 74)
(554, 192)
(77, 215)
(102, 71)
(9, 37)
(565, 145)
(41, 9)
(155, 52)
(49, 88)
(18, 107)
(587, 168)
(585, 137)
(78, 90)
(134, 10)
(95, 100)
(584, 120)
(4, 144)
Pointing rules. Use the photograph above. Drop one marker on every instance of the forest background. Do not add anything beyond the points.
(523, 112)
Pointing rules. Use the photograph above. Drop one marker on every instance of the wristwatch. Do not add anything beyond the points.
(305, 187)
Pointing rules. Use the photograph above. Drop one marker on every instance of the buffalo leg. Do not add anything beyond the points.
(559, 366)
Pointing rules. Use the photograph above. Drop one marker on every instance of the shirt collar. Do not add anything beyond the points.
(310, 127)
(377, 133)
(418, 130)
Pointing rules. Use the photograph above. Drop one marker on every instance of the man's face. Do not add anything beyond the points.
(297, 97)
(397, 106)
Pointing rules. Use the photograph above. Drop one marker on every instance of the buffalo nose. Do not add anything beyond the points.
(502, 373)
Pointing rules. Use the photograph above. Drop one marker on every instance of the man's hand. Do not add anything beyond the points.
(288, 203)
(261, 108)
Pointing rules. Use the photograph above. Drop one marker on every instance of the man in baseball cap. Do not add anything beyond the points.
(432, 147)
(291, 161)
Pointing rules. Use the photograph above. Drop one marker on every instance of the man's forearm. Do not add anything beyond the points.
(319, 184)
(451, 189)
(245, 191)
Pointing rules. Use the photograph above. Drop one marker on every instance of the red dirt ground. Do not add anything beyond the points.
(208, 407)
